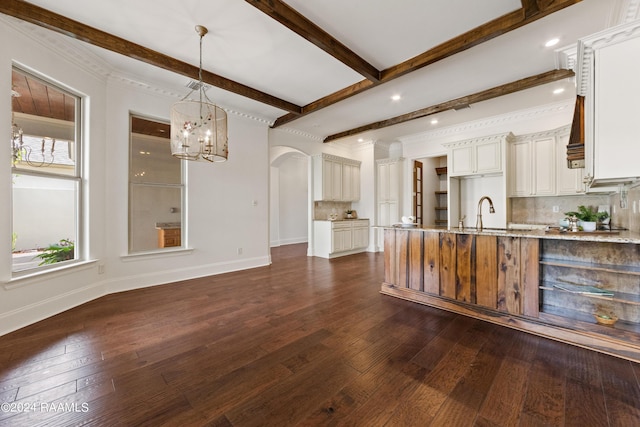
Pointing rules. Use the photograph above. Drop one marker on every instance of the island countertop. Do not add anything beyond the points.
(615, 236)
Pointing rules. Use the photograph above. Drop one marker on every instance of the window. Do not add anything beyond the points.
(46, 174)
(156, 188)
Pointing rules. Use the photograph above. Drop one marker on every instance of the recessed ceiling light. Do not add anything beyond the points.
(552, 42)
(434, 121)
(395, 98)
(360, 140)
(559, 90)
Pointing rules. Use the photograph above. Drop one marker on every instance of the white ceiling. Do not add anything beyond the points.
(249, 47)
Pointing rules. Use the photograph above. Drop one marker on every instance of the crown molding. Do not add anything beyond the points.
(505, 136)
(545, 134)
(61, 45)
(588, 45)
(297, 132)
(78, 55)
(624, 11)
(527, 114)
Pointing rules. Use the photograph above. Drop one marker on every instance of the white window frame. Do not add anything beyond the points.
(131, 252)
(78, 177)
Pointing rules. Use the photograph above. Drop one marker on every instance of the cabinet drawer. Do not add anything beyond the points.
(169, 237)
(341, 224)
(360, 223)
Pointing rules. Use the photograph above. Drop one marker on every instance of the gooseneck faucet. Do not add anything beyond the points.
(491, 210)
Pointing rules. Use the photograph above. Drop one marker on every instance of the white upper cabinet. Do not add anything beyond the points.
(608, 76)
(520, 169)
(543, 152)
(538, 166)
(336, 178)
(477, 156)
(617, 128)
(568, 181)
(389, 173)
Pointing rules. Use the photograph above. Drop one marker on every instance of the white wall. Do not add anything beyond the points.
(289, 199)
(227, 203)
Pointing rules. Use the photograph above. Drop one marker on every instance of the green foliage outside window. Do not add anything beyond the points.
(56, 252)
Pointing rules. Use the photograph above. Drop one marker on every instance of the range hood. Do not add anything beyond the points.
(575, 147)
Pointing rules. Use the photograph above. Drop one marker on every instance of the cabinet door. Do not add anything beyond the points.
(360, 237)
(341, 240)
(355, 183)
(383, 182)
(520, 169)
(347, 182)
(568, 181)
(488, 157)
(387, 215)
(395, 170)
(327, 179)
(462, 161)
(350, 182)
(544, 166)
(617, 89)
(336, 181)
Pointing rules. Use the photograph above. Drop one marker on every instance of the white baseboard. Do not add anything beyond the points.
(32, 313)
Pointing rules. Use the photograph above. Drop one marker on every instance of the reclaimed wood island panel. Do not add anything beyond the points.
(520, 279)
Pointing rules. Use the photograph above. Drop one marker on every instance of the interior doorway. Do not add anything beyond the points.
(417, 191)
(430, 191)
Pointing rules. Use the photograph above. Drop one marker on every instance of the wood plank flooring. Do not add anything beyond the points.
(305, 341)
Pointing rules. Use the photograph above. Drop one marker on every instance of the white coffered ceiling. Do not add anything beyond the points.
(249, 47)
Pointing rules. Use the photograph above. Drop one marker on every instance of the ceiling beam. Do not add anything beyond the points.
(300, 25)
(483, 33)
(74, 29)
(505, 89)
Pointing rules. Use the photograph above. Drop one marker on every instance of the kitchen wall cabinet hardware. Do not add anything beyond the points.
(339, 238)
(335, 178)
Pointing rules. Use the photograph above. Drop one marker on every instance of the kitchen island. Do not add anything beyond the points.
(544, 282)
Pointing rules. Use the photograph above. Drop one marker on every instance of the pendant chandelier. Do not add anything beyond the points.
(199, 127)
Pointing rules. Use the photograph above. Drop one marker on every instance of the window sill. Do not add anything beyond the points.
(156, 254)
(28, 278)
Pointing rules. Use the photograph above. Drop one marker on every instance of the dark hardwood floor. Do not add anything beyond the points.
(305, 341)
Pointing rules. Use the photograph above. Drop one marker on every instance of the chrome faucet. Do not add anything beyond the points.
(491, 210)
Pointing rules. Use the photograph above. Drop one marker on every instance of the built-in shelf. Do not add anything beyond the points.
(610, 268)
(631, 299)
(441, 207)
(579, 321)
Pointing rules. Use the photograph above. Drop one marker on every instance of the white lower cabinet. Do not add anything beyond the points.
(338, 238)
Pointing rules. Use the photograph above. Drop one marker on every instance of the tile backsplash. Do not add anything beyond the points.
(539, 210)
(322, 210)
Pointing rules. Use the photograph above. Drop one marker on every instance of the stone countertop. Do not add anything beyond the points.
(554, 233)
(342, 219)
(167, 225)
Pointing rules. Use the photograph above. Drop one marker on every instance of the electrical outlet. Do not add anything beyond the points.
(100, 268)
(556, 209)
(240, 249)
